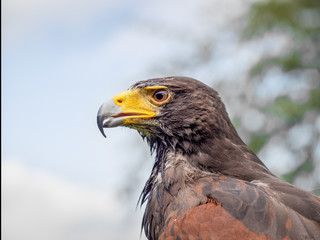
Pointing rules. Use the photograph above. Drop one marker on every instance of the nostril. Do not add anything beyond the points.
(119, 100)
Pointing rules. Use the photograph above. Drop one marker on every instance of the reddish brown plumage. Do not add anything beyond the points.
(208, 221)
(220, 207)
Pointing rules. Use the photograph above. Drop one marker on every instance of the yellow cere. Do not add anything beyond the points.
(155, 87)
(136, 103)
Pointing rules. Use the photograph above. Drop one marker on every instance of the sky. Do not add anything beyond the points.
(60, 61)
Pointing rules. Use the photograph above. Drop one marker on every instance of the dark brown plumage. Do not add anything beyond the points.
(206, 183)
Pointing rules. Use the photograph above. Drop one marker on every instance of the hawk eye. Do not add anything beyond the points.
(160, 95)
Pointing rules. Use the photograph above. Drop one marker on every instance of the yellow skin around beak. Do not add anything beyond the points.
(129, 107)
(135, 104)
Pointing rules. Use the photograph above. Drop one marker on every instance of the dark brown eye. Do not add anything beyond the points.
(160, 95)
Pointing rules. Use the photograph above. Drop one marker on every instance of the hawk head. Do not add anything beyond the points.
(178, 110)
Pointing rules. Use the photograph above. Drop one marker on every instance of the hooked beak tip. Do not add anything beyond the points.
(105, 115)
(100, 119)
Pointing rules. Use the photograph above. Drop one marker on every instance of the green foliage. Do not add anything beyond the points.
(236, 122)
(317, 192)
(291, 111)
(287, 62)
(290, 61)
(314, 101)
(305, 167)
(298, 17)
(299, 20)
(257, 141)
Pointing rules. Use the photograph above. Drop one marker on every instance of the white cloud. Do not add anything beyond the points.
(317, 124)
(252, 120)
(277, 83)
(37, 206)
(279, 158)
(300, 135)
(21, 17)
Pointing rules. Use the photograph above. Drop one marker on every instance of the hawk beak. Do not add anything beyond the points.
(106, 117)
(124, 109)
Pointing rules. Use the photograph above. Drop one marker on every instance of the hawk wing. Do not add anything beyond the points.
(237, 209)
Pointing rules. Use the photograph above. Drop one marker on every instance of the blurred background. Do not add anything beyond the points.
(62, 59)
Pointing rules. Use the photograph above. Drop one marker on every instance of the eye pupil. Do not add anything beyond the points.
(160, 96)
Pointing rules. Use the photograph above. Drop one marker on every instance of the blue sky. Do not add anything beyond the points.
(54, 79)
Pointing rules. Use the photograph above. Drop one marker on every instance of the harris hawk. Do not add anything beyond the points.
(205, 182)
